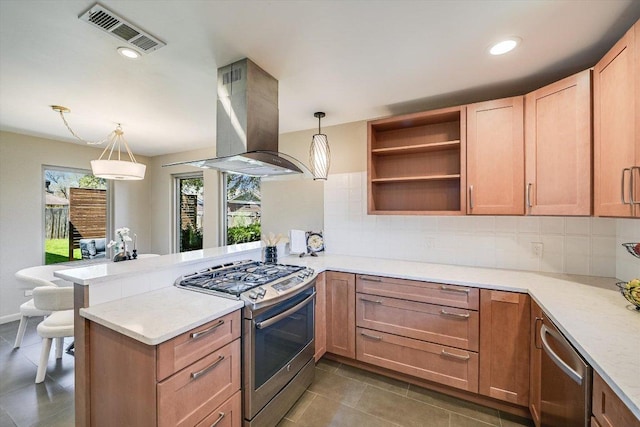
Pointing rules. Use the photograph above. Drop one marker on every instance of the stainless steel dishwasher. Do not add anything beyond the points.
(566, 381)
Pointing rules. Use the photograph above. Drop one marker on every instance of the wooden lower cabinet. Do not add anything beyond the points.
(189, 380)
(608, 410)
(340, 312)
(445, 365)
(535, 363)
(321, 317)
(504, 346)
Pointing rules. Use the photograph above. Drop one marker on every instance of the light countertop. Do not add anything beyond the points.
(590, 311)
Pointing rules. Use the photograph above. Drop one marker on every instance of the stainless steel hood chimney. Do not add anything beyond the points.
(247, 125)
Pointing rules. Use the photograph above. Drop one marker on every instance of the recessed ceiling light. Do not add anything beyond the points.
(504, 46)
(128, 53)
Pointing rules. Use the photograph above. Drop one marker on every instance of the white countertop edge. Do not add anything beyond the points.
(107, 271)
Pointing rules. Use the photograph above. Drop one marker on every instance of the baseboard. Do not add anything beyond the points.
(9, 318)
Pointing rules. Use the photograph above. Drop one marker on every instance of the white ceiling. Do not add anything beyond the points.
(353, 59)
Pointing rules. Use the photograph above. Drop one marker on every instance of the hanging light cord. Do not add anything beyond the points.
(80, 139)
(117, 138)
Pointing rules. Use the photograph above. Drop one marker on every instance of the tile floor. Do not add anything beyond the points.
(340, 395)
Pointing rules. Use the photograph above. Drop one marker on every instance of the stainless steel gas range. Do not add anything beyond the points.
(278, 331)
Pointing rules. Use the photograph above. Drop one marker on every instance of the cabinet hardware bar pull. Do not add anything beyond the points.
(574, 375)
(535, 337)
(278, 317)
(624, 202)
(216, 422)
(198, 334)
(372, 301)
(373, 337)
(195, 375)
(471, 197)
(455, 356)
(529, 195)
(448, 313)
(632, 185)
(368, 279)
(448, 288)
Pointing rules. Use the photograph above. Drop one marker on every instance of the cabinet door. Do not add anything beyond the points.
(321, 317)
(495, 157)
(608, 409)
(504, 346)
(558, 147)
(340, 309)
(616, 116)
(535, 369)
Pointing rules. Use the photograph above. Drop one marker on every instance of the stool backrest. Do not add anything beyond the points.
(53, 298)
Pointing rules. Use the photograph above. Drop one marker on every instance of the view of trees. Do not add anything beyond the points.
(243, 208)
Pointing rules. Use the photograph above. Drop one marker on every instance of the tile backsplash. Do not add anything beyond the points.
(575, 245)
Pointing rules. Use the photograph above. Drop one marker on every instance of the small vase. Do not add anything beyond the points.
(271, 255)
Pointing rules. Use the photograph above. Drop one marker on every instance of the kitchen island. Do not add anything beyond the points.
(588, 310)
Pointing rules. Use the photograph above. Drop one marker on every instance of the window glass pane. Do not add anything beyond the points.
(191, 192)
(75, 213)
(242, 204)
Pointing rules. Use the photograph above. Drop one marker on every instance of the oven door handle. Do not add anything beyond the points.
(270, 321)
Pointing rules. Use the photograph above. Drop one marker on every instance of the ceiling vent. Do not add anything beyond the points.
(103, 18)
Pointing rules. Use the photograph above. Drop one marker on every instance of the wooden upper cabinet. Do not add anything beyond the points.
(416, 163)
(495, 157)
(504, 346)
(558, 147)
(616, 125)
(341, 313)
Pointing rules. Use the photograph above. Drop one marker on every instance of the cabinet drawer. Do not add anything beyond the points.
(434, 293)
(453, 327)
(445, 365)
(229, 414)
(608, 409)
(194, 392)
(185, 349)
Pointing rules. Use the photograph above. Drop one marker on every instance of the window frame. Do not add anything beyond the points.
(175, 201)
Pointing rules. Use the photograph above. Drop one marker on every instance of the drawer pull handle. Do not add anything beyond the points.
(371, 301)
(195, 375)
(459, 315)
(198, 334)
(449, 288)
(369, 279)
(455, 356)
(373, 337)
(216, 422)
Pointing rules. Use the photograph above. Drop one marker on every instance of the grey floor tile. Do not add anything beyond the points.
(468, 409)
(388, 384)
(509, 420)
(35, 403)
(337, 388)
(324, 412)
(301, 405)
(5, 419)
(458, 420)
(401, 410)
(60, 370)
(8, 331)
(286, 423)
(65, 418)
(16, 371)
(328, 365)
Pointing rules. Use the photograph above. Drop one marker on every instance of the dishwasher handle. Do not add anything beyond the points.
(575, 376)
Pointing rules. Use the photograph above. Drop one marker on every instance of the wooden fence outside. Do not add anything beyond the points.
(56, 222)
(87, 216)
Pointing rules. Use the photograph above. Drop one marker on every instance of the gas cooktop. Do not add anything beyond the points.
(252, 281)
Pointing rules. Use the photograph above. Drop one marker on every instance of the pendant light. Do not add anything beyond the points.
(319, 154)
(110, 168)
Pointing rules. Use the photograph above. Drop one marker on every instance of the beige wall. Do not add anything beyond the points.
(161, 208)
(21, 205)
(299, 204)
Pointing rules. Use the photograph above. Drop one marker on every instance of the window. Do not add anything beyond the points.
(242, 208)
(190, 209)
(75, 215)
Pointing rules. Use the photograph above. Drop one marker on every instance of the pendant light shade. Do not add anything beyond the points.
(319, 153)
(109, 168)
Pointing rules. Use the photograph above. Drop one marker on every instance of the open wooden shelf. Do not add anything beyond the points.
(419, 148)
(416, 163)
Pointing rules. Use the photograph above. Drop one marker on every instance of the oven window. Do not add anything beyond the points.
(278, 343)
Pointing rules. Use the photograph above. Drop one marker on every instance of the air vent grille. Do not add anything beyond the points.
(101, 17)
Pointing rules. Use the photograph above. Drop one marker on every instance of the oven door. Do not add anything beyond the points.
(278, 343)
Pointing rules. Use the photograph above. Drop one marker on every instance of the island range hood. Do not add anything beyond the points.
(247, 125)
